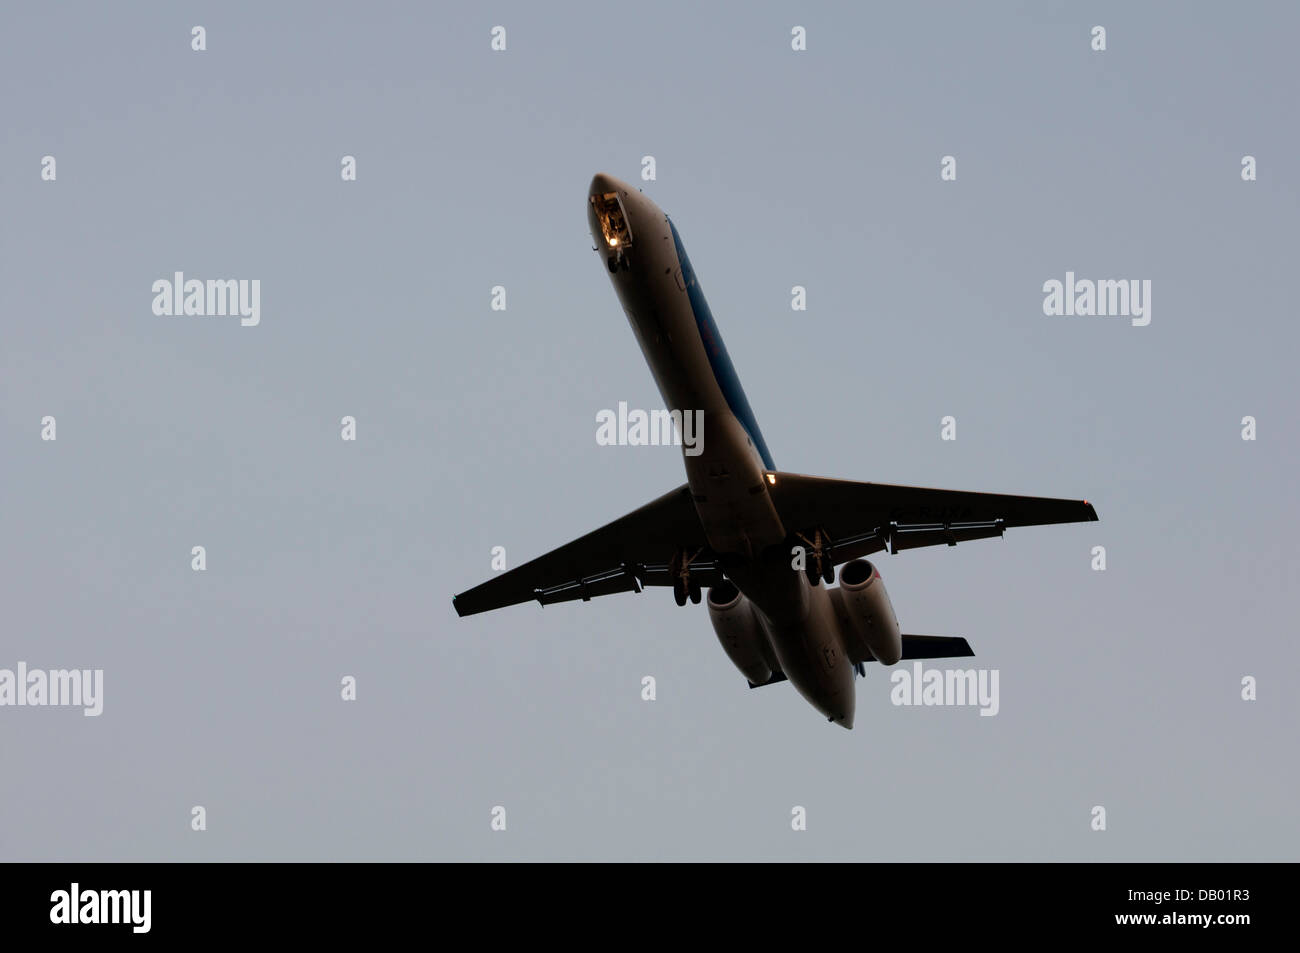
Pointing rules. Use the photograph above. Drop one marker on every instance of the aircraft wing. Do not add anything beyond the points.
(622, 556)
(860, 518)
(863, 518)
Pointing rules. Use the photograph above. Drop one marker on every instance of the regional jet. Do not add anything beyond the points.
(764, 541)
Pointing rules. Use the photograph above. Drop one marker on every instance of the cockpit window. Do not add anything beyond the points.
(613, 221)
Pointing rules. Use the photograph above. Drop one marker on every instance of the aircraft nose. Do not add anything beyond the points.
(842, 710)
(602, 184)
(610, 218)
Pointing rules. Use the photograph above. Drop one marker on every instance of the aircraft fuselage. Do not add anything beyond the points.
(729, 479)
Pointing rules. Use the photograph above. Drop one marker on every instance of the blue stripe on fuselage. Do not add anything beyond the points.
(723, 370)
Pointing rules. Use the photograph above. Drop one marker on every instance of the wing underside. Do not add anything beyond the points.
(863, 518)
(633, 551)
(651, 545)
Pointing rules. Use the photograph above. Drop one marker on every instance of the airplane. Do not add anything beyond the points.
(765, 541)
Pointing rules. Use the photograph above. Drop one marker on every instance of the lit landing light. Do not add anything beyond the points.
(771, 479)
(613, 243)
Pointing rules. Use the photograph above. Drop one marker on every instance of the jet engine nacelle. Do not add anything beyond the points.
(740, 633)
(872, 627)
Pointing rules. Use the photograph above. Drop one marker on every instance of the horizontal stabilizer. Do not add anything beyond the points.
(914, 647)
(935, 646)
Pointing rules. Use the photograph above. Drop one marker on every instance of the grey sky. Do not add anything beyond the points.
(476, 428)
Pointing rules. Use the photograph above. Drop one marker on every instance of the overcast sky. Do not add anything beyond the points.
(476, 428)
